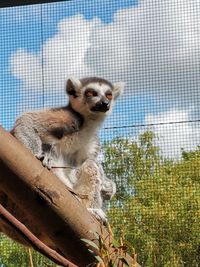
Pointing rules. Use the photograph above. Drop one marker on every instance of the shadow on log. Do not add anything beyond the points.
(42, 197)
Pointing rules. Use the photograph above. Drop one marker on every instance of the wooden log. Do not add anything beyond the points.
(42, 196)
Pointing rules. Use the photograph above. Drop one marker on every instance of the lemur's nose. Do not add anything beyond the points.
(103, 105)
(105, 102)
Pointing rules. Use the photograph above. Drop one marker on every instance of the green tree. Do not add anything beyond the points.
(158, 201)
(13, 254)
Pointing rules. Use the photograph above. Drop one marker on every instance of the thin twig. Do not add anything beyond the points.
(30, 257)
(63, 167)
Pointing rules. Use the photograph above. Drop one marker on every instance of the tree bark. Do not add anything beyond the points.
(42, 197)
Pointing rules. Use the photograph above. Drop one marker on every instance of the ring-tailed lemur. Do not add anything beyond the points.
(67, 137)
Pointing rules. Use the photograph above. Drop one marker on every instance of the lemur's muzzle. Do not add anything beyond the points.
(102, 106)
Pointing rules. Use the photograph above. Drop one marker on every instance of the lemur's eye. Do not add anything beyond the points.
(90, 92)
(109, 96)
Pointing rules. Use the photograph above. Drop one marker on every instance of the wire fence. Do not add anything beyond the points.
(150, 143)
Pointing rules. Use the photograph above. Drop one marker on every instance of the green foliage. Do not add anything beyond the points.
(11, 254)
(14, 255)
(111, 252)
(130, 161)
(158, 202)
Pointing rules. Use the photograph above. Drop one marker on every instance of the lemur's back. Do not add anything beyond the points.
(49, 124)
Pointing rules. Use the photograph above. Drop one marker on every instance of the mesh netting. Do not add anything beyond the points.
(150, 143)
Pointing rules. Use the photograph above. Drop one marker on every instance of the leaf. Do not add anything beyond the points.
(92, 252)
(123, 259)
(102, 245)
(128, 244)
(123, 247)
(89, 242)
(96, 235)
(115, 243)
(111, 264)
(99, 259)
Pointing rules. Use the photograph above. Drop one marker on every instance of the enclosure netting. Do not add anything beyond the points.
(150, 143)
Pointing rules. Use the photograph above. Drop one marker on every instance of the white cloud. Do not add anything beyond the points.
(154, 48)
(172, 137)
(28, 68)
(59, 57)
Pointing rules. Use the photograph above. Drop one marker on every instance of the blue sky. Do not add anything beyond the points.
(22, 27)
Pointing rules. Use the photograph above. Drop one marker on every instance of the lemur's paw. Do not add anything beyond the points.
(46, 161)
(108, 189)
(99, 214)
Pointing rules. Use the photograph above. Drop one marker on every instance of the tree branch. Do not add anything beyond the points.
(46, 202)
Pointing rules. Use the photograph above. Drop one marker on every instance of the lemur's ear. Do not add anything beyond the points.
(73, 86)
(118, 89)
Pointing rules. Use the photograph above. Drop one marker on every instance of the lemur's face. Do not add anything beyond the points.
(93, 95)
(98, 97)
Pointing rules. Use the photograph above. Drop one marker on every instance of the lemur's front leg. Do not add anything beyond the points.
(108, 189)
(89, 182)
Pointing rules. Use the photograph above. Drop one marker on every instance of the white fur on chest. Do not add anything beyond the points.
(74, 143)
(79, 146)
(74, 149)
(71, 153)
